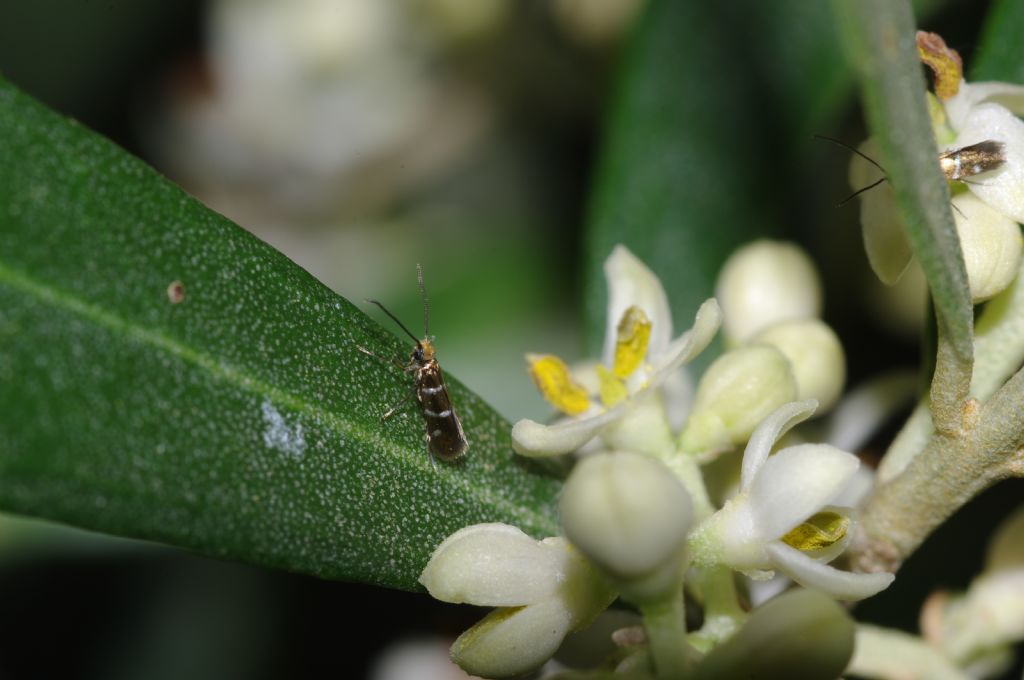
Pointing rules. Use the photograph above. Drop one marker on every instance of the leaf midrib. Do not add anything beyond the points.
(61, 299)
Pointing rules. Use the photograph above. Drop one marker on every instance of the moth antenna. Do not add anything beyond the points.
(846, 146)
(860, 191)
(426, 303)
(395, 319)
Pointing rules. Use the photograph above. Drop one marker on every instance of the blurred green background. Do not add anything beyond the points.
(505, 146)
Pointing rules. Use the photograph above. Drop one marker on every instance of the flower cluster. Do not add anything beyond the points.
(635, 513)
(782, 352)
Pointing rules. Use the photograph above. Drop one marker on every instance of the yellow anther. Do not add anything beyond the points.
(634, 333)
(944, 62)
(613, 390)
(556, 384)
(819, 532)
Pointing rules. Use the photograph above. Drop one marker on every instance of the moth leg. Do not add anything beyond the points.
(394, 362)
(433, 461)
(391, 411)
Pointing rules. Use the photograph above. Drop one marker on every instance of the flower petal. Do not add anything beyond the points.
(631, 283)
(797, 482)
(1002, 188)
(689, 344)
(495, 565)
(768, 432)
(885, 241)
(810, 573)
(970, 95)
(511, 642)
(530, 438)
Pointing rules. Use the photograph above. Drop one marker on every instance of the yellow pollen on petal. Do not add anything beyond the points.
(613, 390)
(555, 383)
(633, 336)
(820, 531)
(944, 62)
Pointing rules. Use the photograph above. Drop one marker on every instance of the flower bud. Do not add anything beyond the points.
(629, 515)
(991, 246)
(801, 632)
(763, 283)
(816, 356)
(735, 394)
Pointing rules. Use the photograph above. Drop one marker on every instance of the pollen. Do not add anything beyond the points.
(613, 389)
(552, 378)
(634, 334)
(822, 530)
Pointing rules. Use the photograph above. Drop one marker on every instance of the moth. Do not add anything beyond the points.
(956, 164)
(445, 437)
(972, 160)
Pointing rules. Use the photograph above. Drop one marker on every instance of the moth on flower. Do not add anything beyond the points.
(615, 399)
(983, 147)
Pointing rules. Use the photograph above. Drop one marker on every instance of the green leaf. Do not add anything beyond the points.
(715, 106)
(999, 55)
(880, 41)
(240, 421)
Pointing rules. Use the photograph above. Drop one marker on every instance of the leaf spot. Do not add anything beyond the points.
(278, 435)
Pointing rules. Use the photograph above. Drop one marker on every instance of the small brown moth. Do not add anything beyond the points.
(956, 164)
(445, 437)
(972, 160)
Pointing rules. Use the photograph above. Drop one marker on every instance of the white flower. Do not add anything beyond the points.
(780, 518)
(639, 357)
(544, 590)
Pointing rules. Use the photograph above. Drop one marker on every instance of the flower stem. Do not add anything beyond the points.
(948, 473)
(666, 636)
(951, 386)
(723, 614)
(687, 471)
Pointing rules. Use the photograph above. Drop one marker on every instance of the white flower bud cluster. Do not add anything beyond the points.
(771, 296)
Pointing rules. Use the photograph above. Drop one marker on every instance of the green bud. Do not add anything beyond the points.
(735, 394)
(817, 358)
